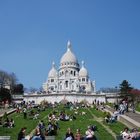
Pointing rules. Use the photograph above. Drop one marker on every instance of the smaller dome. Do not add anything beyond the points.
(83, 71)
(53, 71)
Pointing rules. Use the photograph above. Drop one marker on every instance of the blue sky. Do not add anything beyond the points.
(104, 33)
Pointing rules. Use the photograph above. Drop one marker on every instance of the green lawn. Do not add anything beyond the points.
(30, 124)
(116, 127)
(82, 121)
(138, 107)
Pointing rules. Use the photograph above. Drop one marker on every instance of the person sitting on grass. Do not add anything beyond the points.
(25, 113)
(126, 134)
(21, 134)
(78, 135)
(94, 128)
(6, 123)
(69, 135)
(135, 134)
(41, 125)
(53, 129)
(38, 135)
(114, 116)
(107, 118)
(11, 123)
(36, 116)
(90, 134)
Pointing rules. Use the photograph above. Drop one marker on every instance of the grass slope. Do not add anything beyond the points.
(82, 121)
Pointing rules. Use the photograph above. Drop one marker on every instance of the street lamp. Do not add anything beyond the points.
(116, 94)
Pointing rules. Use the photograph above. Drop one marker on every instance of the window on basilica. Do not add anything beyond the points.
(74, 73)
(66, 84)
(52, 88)
(83, 79)
(52, 80)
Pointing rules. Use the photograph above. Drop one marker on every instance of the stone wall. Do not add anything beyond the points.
(71, 97)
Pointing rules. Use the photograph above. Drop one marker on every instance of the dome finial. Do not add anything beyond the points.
(53, 64)
(69, 45)
(83, 63)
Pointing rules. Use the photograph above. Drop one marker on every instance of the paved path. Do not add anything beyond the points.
(134, 118)
(130, 114)
(2, 111)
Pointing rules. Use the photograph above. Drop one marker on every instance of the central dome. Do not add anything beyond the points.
(68, 56)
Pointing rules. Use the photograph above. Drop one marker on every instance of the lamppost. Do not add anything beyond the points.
(116, 94)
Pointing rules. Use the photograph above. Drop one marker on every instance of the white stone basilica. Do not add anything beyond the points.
(69, 82)
(69, 77)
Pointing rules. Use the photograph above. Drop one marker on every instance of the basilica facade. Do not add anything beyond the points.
(69, 77)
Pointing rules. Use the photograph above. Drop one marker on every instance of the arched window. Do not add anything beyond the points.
(83, 88)
(66, 84)
(83, 79)
(62, 73)
(74, 73)
(60, 86)
(52, 88)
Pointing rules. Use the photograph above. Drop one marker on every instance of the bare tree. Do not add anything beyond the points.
(4, 79)
(7, 80)
(33, 90)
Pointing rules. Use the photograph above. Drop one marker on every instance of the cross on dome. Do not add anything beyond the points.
(83, 64)
(69, 45)
(53, 64)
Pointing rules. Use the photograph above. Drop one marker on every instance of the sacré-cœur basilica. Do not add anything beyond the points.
(69, 82)
(70, 77)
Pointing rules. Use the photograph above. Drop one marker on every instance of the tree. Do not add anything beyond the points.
(12, 82)
(18, 89)
(7, 80)
(4, 79)
(5, 95)
(33, 90)
(125, 89)
(109, 90)
(9, 86)
(135, 94)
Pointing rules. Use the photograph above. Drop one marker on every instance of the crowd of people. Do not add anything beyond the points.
(52, 127)
(127, 134)
(5, 121)
(89, 134)
(9, 123)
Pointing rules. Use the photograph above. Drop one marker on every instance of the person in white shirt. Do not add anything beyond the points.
(89, 133)
(126, 134)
